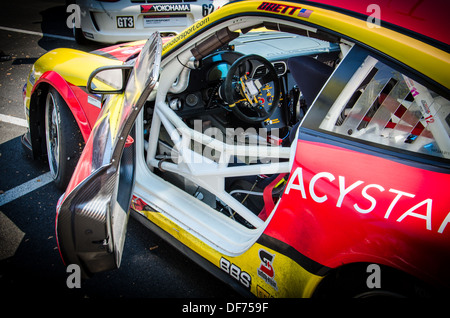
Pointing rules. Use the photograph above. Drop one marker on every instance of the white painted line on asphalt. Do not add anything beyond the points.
(55, 36)
(25, 188)
(13, 120)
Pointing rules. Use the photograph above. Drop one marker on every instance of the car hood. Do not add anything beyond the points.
(124, 51)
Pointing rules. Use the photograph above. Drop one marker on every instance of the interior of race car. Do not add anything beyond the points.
(221, 126)
(226, 113)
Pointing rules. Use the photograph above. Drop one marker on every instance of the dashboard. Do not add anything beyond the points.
(202, 100)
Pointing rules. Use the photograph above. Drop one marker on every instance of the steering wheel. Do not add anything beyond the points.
(252, 99)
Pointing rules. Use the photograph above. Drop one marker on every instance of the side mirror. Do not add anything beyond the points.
(109, 79)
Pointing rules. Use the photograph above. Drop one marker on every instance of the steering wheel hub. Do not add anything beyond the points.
(253, 99)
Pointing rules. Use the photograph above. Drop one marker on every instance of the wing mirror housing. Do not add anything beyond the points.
(109, 79)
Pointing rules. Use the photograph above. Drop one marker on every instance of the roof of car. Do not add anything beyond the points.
(423, 19)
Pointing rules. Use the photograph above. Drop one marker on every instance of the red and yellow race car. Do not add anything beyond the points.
(293, 149)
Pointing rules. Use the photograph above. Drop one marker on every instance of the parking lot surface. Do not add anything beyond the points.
(29, 259)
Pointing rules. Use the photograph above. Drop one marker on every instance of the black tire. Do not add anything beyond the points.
(79, 37)
(63, 139)
(351, 281)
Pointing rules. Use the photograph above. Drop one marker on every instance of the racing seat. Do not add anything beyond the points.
(310, 76)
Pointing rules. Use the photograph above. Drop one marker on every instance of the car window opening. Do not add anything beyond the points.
(233, 162)
(384, 107)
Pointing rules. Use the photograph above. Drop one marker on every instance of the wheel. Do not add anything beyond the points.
(79, 37)
(63, 139)
(351, 281)
(252, 99)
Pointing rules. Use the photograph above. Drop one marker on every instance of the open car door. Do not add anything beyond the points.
(92, 215)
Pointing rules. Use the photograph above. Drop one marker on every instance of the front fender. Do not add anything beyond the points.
(66, 91)
(66, 70)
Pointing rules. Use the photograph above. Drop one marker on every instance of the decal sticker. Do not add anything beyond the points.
(165, 20)
(165, 8)
(94, 101)
(285, 9)
(265, 270)
(234, 271)
(185, 33)
(207, 9)
(125, 22)
(418, 209)
(262, 293)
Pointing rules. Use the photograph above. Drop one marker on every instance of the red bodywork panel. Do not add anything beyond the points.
(121, 52)
(342, 206)
(86, 101)
(77, 100)
(430, 20)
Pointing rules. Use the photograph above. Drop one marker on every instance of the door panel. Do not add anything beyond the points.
(93, 213)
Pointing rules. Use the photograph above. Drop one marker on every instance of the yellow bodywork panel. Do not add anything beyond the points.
(290, 279)
(73, 65)
(426, 59)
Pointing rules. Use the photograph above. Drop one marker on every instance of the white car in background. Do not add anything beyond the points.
(112, 21)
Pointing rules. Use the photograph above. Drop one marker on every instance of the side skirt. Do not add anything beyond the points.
(192, 255)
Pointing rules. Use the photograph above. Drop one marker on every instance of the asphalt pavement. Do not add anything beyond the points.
(30, 264)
